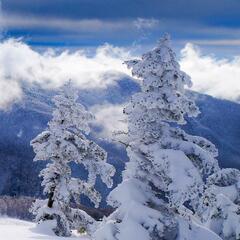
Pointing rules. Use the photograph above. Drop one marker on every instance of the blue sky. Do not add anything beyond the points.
(213, 24)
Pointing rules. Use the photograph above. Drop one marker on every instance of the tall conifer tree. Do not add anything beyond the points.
(167, 168)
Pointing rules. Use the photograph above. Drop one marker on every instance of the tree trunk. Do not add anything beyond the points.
(50, 199)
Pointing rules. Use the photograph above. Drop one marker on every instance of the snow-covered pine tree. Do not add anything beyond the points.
(167, 168)
(63, 142)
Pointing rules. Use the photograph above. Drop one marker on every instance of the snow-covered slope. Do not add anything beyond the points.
(219, 122)
(12, 229)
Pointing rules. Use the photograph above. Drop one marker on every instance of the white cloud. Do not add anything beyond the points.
(21, 64)
(146, 23)
(82, 25)
(10, 92)
(217, 42)
(78, 25)
(217, 77)
(110, 117)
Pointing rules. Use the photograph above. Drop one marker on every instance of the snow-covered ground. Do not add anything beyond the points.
(12, 229)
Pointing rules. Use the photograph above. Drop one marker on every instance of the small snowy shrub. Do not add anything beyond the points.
(221, 203)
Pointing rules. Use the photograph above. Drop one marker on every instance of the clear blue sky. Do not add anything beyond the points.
(213, 24)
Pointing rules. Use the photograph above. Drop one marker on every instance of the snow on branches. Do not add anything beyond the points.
(167, 168)
(65, 141)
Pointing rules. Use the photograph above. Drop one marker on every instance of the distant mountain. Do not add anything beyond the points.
(219, 122)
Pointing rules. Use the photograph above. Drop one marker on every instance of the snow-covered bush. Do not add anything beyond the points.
(221, 203)
(63, 142)
(167, 168)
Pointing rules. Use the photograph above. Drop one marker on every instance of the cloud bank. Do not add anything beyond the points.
(110, 117)
(70, 25)
(217, 77)
(21, 65)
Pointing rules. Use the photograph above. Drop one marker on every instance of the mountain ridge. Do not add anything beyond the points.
(218, 122)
